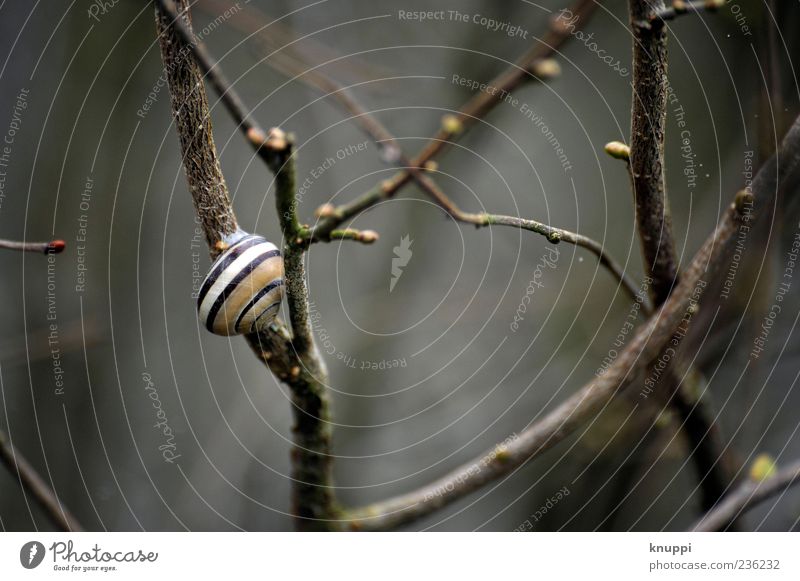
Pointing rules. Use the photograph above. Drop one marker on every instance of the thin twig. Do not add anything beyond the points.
(30, 480)
(644, 348)
(311, 458)
(52, 247)
(535, 60)
(293, 358)
(681, 7)
(746, 496)
(324, 229)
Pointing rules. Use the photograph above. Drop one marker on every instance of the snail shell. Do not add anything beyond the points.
(243, 289)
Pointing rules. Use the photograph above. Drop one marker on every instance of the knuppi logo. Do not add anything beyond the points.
(31, 554)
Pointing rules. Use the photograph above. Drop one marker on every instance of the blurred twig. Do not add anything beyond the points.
(745, 497)
(681, 7)
(30, 480)
(52, 247)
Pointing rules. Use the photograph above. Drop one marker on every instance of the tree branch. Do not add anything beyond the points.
(293, 359)
(648, 118)
(30, 480)
(644, 348)
(746, 496)
(711, 460)
(182, 35)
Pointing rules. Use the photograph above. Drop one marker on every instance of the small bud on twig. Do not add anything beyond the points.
(618, 150)
(368, 236)
(763, 468)
(325, 211)
(256, 136)
(452, 124)
(546, 68)
(743, 198)
(679, 6)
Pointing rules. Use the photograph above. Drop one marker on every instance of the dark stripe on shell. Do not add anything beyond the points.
(224, 261)
(235, 282)
(262, 313)
(258, 296)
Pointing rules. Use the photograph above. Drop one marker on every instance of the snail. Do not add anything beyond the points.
(242, 291)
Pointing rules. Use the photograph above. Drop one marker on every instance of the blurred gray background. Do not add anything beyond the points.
(428, 375)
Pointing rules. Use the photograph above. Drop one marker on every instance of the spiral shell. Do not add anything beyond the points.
(243, 289)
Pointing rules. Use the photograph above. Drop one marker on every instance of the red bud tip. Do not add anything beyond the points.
(55, 247)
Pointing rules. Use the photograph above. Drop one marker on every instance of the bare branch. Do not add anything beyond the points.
(293, 359)
(52, 247)
(644, 348)
(184, 37)
(30, 480)
(746, 496)
(648, 119)
(533, 65)
(193, 124)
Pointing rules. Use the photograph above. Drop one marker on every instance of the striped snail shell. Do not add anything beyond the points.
(243, 289)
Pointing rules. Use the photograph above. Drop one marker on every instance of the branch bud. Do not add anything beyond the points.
(546, 68)
(325, 211)
(452, 124)
(763, 468)
(618, 150)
